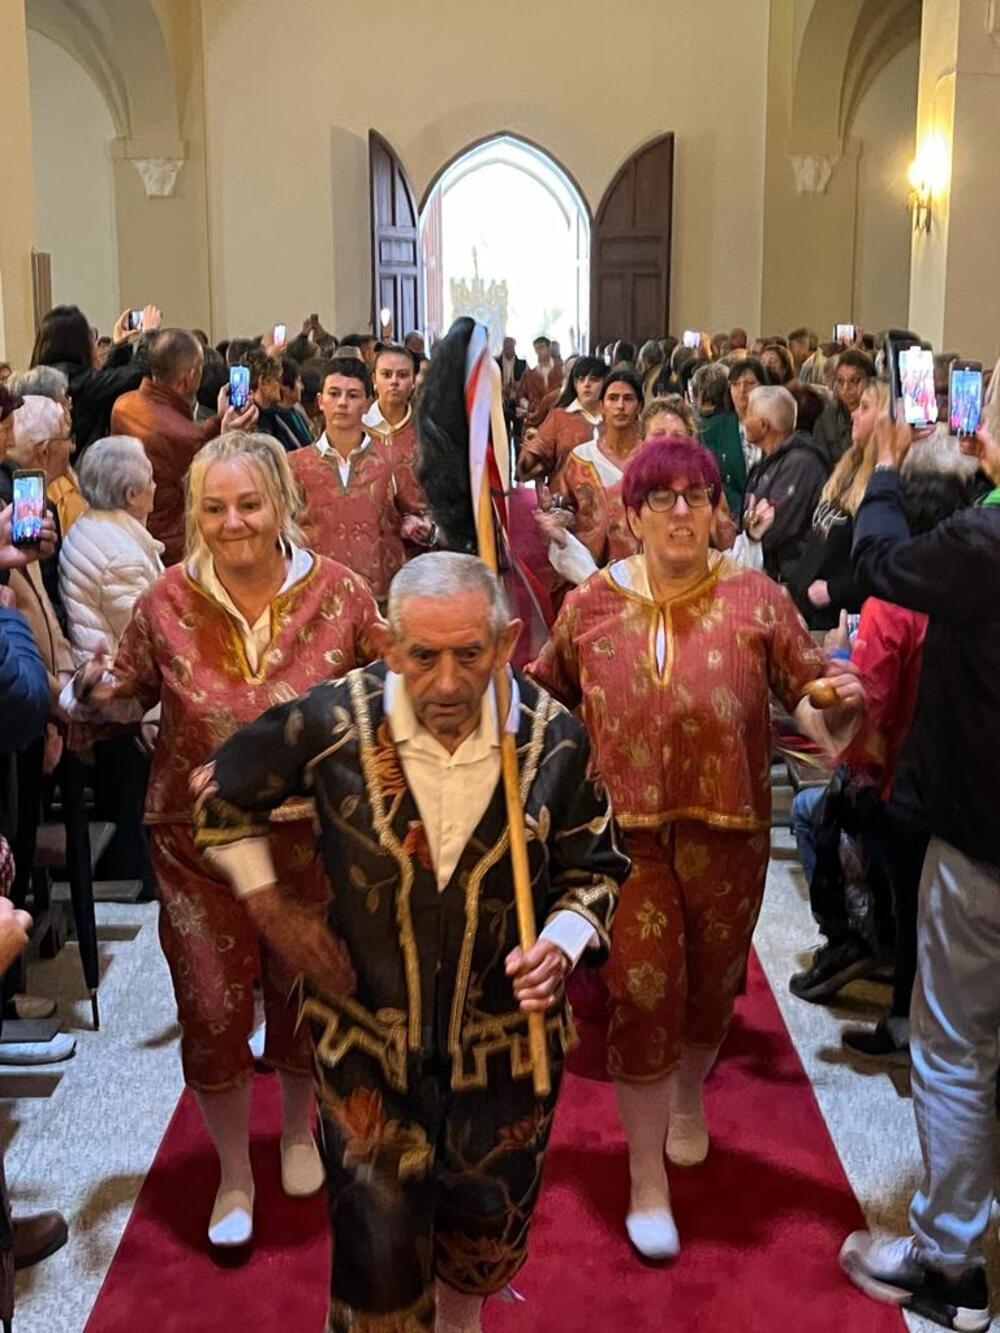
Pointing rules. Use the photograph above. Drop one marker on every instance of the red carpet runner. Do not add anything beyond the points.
(761, 1222)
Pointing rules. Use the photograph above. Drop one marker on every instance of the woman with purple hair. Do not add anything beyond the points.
(672, 655)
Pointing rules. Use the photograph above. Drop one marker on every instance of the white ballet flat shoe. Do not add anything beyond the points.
(654, 1234)
(687, 1140)
(232, 1218)
(302, 1171)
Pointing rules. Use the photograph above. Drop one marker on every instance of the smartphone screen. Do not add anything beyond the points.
(135, 319)
(844, 333)
(279, 334)
(916, 384)
(29, 508)
(965, 398)
(239, 386)
(692, 338)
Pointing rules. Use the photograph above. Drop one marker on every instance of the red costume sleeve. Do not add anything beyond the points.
(793, 659)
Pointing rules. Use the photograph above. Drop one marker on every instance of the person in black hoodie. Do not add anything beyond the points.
(824, 581)
(789, 474)
(946, 781)
(65, 340)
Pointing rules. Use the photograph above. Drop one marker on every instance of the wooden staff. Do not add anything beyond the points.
(523, 901)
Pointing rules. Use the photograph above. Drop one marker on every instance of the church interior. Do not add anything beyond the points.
(604, 186)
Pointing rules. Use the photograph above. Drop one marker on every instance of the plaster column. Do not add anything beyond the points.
(955, 266)
(17, 189)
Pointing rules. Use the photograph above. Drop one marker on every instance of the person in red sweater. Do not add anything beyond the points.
(160, 413)
(361, 498)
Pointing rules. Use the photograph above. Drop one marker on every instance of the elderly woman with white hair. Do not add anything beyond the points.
(63, 487)
(106, 562)
(250, 619)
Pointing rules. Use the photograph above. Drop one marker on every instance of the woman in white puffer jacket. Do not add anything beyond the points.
(106, 561)
(108, 558)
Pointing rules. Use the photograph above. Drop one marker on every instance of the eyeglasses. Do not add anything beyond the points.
(695, 497)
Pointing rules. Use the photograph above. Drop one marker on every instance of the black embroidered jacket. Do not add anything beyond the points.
(429, 963)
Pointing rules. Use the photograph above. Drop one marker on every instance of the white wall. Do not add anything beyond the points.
(885, 127)
(72, 132)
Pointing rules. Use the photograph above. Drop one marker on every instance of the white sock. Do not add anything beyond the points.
(645, 1109)
(695, 1066)
(227, 1119)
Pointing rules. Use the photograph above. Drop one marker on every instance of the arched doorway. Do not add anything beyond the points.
(505, 237)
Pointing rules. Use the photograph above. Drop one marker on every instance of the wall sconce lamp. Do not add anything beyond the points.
(928, 176)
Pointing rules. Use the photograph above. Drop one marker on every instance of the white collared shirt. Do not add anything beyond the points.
(452, 792)
(375, 420)
(344, 465)
(592, 418)
(257, 636)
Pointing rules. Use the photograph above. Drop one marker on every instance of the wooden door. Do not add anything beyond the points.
(396, 275)
(630, 248)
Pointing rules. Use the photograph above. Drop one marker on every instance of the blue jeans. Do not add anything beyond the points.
(804, 820)
(954, 1030)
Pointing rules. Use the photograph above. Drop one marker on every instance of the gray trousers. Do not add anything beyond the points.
(954, 1030)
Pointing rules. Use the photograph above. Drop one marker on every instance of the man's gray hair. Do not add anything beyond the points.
(444, 574)
(776, 405)
(43, 382)
(110, 468)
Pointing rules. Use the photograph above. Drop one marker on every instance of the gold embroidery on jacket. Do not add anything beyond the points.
(391, 844)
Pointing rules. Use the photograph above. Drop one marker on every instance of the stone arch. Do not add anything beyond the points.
(841, 47)
(122, 45)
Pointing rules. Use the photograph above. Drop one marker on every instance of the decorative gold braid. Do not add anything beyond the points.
(529, 771)
(391, 844)
(384, 1041)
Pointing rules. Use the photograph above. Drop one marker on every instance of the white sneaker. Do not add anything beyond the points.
(654, 1234)
(61, 1047)
(889, 1269)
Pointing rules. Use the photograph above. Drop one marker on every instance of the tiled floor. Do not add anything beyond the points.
(80, 1136)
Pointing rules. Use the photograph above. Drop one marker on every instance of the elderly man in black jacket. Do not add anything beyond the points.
(947, 780)
(790, 475)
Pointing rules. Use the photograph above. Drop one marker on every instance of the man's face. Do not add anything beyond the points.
(754, 426)
(343, 402)
(621, 406)
(368, 352)
(268, 391)
(394, 379)
(799, 348)
(447, 654)
(543, 352)
(509, 348)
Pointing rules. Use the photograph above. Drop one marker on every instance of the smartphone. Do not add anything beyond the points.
(844, 333)
(915, 374)
(29, 508)
(239, 386)
(279, 334)
(692, 338)
(135, 320)
(965, 397)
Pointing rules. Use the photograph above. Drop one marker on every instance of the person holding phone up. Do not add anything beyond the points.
(947, 774)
